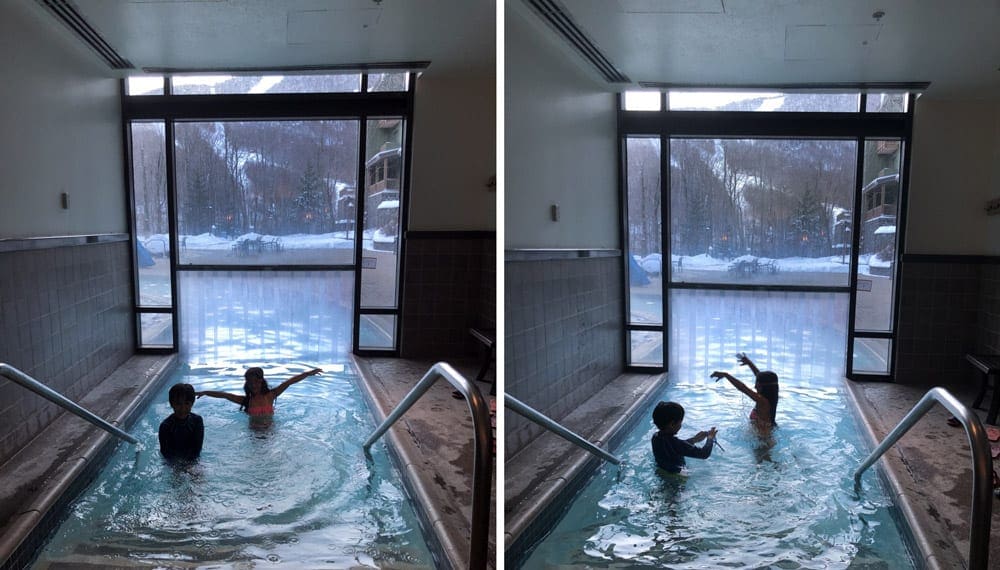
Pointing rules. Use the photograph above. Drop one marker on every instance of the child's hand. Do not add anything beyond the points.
(198, 395)
(712, 432)
(742, 359)
(718, 375)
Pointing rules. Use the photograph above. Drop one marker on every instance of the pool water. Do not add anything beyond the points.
(298, 493)
(782, 502)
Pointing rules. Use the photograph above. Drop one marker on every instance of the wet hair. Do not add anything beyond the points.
(667, 413)
(253, 372)
(767, 386)
(181, 394)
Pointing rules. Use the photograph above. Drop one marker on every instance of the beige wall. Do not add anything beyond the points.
(454, 154)
(61, 132)
(559, 148)
(955, 170)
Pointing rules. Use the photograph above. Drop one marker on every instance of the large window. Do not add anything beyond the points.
(764, 193)
(258, 178)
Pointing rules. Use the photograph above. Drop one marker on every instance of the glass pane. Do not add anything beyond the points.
(267, 192)
(646, 348)
(643, 100)
(377, 331)
(886, 102)
(250, 84)
(800, 336)
(645, 231)
(871, 355)
(156, 330)
(388, 81)
(383, 173)
(761, 212)
(149, 183)
(266, 316)
(144, 85)
(877, 248)
(762, 101)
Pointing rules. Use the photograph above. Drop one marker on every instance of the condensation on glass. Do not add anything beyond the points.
(266, 192)
(225, 84)
(259, 316)
(801, 331)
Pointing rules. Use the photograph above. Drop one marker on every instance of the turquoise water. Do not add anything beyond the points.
(296, 494)
(784, 502)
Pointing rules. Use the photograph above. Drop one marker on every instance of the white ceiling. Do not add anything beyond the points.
(953, 45)
(456, 36)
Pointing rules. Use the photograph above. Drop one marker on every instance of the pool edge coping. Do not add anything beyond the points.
(933, 558)
(559, 496)
(26, 530)
(433, 521)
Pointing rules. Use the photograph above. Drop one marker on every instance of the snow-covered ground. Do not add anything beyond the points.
(158, 244)
(652, 263)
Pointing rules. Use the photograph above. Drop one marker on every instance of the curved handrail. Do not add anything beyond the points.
(44, 391)
(515, 405)
(982, 492)
(482, 469)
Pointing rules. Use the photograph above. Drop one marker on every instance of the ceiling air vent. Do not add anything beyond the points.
(65, 11)
(558, 17)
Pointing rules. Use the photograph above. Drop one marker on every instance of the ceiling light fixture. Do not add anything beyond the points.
(877, 15)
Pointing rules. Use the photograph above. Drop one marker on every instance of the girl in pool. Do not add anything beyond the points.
(764, 394)
(259, 398)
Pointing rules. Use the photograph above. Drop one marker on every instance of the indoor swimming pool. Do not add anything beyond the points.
(298, 492)
(787, 501)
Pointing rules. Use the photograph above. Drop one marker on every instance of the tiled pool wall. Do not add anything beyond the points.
(26, 552)
(949, 306)
(564, 321)
(449, 285)
(516, 553)
(65, 319)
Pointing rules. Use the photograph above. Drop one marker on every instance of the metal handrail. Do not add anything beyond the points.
(515, 405)
(982, 495)
(44, 391)
(482, 469)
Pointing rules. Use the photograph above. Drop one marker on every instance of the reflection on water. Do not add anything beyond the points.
(783, 502)
(297, 493)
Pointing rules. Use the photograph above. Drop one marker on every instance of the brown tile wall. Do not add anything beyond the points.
(949, 306)
(563, 336)
(66, 320)
(449, 286)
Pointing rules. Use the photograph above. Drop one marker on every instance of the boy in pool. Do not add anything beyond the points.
(182, 433)
(764, 394)
(258, 400)
(670, 451)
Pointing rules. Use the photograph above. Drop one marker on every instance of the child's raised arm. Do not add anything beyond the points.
(718, 375)
(224, 395)
(744, 360)
(297, 378)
